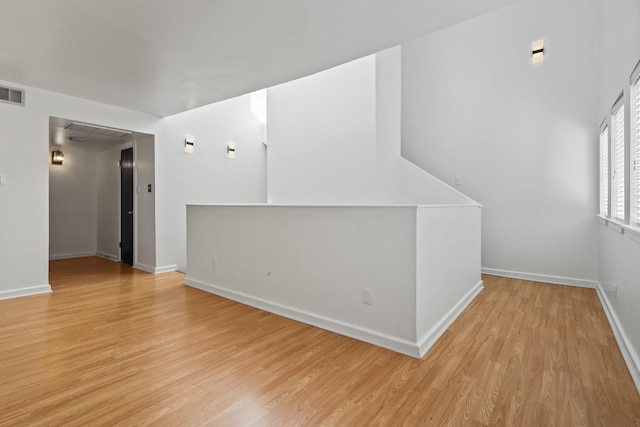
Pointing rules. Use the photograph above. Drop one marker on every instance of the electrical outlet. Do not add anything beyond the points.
(615, 291)
(367, 296)
(458, 181)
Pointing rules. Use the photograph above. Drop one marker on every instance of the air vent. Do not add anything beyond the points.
(12, 95)
(100, 130)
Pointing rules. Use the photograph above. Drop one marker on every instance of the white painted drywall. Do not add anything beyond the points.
(315, 260)
(24, 199)
(416, 186)
(619, 50)
(207, 175)
(618, 263)
(145, 214)
(388, 123)
(522, 137)
(108, 187)
(322, 136)
(619, 254)
(72, 205)
(448, 262)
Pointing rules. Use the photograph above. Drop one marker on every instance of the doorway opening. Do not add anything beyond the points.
(102, 196)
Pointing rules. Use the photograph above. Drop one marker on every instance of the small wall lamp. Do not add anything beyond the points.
(537, 51)
(231, 150)
(57, 157)
(189, 140)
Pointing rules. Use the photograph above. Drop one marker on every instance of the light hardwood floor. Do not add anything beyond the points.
(118, 347)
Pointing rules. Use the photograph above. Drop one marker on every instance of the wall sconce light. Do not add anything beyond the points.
(537, 51)
(231, 150)
(57, 157)
(188, 143)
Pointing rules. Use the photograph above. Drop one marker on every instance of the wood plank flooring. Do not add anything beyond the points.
(114, 346)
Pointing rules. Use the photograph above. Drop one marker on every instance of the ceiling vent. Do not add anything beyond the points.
(99, 130)
(12, 95)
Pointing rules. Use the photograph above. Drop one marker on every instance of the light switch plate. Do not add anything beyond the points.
(367, 296)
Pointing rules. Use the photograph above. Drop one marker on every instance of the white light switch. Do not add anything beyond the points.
(3, 179)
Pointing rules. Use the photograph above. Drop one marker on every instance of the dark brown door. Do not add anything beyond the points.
(126, 206)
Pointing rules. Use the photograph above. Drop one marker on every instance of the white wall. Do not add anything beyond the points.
(145, 208)
(312, 263)
(322, 136)
(416, 186)
(447, 267)
(24, 200)
(72, 205)
(619, 50)
(206, 176)
(618, 261)
(522, 137)
(618, 253)
(108, 192)
(388, 92)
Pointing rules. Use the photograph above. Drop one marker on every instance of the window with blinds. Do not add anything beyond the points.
(617, 160)
(635, 147)
(604, 170)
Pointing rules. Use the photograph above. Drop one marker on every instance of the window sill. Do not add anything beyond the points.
(611, 223)
(632, 231)
(629, 230)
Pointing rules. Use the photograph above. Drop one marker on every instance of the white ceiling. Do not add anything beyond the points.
(168, 56)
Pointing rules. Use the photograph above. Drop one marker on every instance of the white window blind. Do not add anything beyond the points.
(617, 164)
(604, 171)
(635, 150)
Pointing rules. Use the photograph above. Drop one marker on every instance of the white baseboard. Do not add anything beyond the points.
(362, 334)
(108, 256)
(23, 292)
(556, 280)
(165, 269)
(71, 255)
(626, 348)
(432, 335)
(144, 267)
(154, 270)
